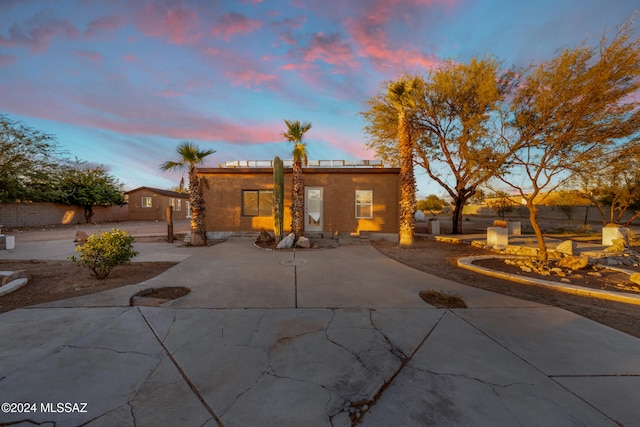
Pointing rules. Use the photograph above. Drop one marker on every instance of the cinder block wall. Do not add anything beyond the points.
(41, 214)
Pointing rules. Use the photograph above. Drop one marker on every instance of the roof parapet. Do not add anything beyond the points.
(311, 164)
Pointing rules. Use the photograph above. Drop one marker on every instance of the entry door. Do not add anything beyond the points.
(313, 208)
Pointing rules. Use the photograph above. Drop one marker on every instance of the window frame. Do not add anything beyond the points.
(364, 204)
(260, 210)
(176, 204)
(144, 200)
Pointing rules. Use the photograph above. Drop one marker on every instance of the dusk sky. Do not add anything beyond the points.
(121, 83)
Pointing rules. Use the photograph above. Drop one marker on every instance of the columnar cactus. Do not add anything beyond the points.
(278, 198)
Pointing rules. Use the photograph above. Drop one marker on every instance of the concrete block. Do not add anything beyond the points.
(514, 228)
(611, 233)
(434, 227)
(497, 238)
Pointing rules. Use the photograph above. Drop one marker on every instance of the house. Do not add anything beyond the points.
(345, 197)
(146, 203)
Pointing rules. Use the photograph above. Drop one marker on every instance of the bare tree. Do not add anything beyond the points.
(566, 111)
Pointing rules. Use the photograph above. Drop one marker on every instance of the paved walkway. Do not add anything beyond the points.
(315, 338)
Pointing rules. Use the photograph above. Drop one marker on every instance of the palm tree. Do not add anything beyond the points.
(190, 156)
(400, 95)
(294, 133)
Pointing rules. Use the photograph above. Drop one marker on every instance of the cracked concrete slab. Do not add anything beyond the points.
(559, 342)
(361, 347)
(261, 363)
(460, 376)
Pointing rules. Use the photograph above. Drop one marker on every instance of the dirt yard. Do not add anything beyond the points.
(56, 280)
(439, 259)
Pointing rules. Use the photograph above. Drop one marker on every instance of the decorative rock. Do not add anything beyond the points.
(617, 245)
(568, 247)
(573, 262)
(635, 278)
(81, 236)
(303, 242)
(287, 242)
(265, 236)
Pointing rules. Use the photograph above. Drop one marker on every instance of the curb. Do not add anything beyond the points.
(467, 263)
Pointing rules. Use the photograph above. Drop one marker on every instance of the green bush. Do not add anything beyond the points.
(105, 251)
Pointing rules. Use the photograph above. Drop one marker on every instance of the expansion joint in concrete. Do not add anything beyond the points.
(182, 372)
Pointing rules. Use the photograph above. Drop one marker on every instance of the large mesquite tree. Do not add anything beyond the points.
(569, 112)
(452, 121)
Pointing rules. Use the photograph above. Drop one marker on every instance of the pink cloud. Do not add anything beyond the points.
(285, 28)
(178, 24)
(251, 78)
(122, 107)
(370, 35)
(105, 24)
(37, 32)
(92, 55)
(330, 48)
(7, 59)
(241, 70)
(130, 58)
(234, 23)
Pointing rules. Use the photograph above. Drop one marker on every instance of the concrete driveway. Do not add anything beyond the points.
(315, 338)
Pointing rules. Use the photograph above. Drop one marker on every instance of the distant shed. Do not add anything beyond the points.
(146, 203)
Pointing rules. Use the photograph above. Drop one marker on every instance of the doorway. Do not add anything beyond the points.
(313, 208)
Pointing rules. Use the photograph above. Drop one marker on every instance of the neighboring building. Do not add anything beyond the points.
(146, 203)
(340, 196)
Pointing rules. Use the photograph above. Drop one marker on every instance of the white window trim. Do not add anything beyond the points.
(370, 204)
(144, 202)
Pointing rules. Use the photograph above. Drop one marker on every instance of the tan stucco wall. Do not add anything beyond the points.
(158, 211)
(224, 187)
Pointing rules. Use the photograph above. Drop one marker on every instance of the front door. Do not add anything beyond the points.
(313, 208)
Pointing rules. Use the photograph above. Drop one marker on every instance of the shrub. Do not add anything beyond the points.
(105, 251)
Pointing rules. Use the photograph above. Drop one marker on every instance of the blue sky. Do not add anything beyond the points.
(122, 82)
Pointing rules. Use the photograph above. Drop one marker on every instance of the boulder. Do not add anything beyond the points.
(303, 242)
(635, 278)
(617, 245)
(287, 241)
(573, 262)
(265, 236)
(568, 247)
(81, 237)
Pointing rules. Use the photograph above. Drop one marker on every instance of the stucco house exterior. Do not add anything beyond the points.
(344, 197)
(146, 203)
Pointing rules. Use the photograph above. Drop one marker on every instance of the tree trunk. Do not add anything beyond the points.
(543, 256)
(88, 214)
(456, 219)
(297, 201)
(197, 208)
(407, 182)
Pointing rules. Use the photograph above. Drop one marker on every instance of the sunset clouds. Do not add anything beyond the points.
(131, 78)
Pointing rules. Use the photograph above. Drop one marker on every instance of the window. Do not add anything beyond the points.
(147, 202)
(257, 202)
(176, 204)
(364, 204)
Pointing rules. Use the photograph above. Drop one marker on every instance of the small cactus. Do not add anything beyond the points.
(278, 198)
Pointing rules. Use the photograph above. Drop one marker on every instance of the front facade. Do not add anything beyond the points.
(149, 204)
(346, 200)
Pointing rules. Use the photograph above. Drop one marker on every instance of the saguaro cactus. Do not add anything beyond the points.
(278, 198)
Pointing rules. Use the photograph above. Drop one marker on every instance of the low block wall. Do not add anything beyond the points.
(41, 214)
